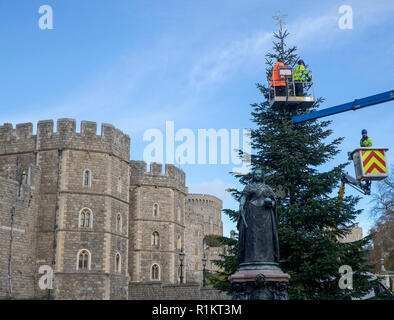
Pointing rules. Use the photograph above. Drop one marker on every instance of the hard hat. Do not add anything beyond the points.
(363, 131)
(301, 61)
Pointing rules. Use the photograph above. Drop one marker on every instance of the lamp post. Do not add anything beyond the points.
(181, 258)
(204, 264)
(382, 264)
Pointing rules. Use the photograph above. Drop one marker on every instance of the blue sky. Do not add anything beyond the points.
(136, 64)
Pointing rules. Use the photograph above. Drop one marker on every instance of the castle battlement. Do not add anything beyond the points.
(205, 200)
(17, 140)
(205, 209)
(99, 217)
(21, 139)
(173, 176)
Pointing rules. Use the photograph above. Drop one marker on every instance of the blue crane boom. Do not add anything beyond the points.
(355, 105)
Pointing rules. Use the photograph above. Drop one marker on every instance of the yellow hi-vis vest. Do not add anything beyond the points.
(366, 142)
(300, 74)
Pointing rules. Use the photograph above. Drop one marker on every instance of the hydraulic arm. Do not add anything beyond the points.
(355, 105)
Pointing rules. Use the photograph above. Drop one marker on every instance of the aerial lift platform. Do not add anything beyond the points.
(369, 163)
(289, 97)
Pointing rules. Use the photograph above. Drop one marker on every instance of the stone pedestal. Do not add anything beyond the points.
(260, 284)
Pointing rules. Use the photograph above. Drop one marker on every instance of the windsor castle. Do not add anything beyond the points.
(74, 203)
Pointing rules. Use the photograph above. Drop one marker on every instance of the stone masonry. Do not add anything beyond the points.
(203, 213)
(101, 221)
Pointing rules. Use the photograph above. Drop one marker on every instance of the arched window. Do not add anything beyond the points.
(196, 250)
(83, 262)
(155, 210)
(119, 222)
(196, 267)
(155, 239)
(155, 272)
(85, 218)
(87, 178)
(120, 185)
(179, 242)
(118, 261)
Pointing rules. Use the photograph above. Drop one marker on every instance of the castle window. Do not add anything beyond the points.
(155, 210)
(118, 266)
(155, 272)
(83, 262)
(196, 267)
(85, 218)
(87, 178)
(120, 185)
(196, 233)
(179, 242)
(155, 239)
(196, 250)
(119, 222)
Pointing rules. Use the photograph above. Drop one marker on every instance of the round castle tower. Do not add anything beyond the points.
(203, 213)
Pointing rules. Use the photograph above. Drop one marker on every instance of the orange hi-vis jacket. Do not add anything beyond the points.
(276, 80)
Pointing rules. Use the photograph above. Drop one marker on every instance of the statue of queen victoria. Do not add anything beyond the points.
(259, 276)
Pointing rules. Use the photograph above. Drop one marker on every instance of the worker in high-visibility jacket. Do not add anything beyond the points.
(365, 140)
(278, 83)
(300, 76)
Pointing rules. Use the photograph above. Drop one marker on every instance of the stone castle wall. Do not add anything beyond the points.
(63, 156)
(204, 218)
(22, 196)
(159, 291)
(48, 169)
(167, 191)
(355, 234)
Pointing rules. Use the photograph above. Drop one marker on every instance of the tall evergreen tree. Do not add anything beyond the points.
(310, 217)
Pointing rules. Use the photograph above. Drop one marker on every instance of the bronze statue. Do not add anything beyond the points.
(258, 246)
(259, 276)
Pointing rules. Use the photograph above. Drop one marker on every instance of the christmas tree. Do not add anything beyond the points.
(310, 217)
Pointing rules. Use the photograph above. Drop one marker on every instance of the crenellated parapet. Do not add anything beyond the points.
(18, 140)
(21, 139)
(204, 200)
(172, 178)
(206, 210)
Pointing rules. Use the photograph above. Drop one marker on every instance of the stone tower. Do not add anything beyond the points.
(355, 234)
(82, 221)
(203, 215)
(19, 192)
(18, 216)
(96, 218)
(157, 222)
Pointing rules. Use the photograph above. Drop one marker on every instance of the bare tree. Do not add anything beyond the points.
(383, 229)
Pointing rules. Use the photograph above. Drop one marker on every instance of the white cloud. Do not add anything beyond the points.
(216, 65)
(310, 31)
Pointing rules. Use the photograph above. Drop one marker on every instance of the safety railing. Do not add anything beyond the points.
(290, 89)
